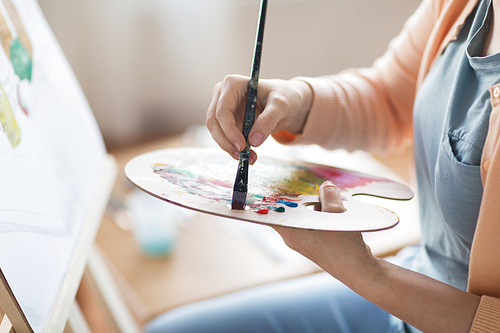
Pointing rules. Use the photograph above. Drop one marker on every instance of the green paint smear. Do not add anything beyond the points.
(21, 60)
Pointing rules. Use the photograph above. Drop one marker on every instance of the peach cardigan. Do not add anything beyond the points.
(378, 102)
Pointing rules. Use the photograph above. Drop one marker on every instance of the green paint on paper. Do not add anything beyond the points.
(21, 60)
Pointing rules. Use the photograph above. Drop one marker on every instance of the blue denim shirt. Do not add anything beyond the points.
(451, 116)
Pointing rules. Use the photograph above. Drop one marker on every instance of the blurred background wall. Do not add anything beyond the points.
(148, 67)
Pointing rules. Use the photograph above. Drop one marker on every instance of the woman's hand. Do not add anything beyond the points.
(419, 300)
(281, 105)
(336, 252)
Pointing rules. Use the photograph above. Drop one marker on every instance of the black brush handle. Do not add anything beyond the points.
(241, 182)
(254, 79)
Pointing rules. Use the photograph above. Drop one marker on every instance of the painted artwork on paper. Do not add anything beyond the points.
(15, 78)
(52, 155)
(281, 192)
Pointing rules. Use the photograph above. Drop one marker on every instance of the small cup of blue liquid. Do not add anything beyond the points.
(155, 221)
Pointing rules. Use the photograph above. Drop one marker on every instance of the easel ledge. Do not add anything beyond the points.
(65, 310)
(6, 325)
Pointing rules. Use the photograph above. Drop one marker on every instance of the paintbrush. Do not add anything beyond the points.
(241, 183)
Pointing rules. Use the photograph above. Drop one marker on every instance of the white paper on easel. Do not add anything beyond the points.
(51, 154)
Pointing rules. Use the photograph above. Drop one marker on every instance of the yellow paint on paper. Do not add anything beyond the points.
(8, 120)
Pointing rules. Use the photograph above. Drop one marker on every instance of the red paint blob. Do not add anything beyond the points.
(263, 210)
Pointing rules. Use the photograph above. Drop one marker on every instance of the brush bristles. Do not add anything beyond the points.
(239, 200)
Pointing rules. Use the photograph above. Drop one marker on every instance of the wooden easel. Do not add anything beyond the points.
(65, 315)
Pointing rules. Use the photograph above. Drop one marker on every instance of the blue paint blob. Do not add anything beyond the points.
(288, 203)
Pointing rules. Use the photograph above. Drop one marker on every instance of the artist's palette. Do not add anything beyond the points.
(202, 179)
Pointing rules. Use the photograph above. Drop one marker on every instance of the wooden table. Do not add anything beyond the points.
(209, 259)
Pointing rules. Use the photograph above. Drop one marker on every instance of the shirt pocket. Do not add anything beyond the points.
(458, 187)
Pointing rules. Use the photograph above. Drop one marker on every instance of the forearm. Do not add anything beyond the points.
(370, 109)
(423, 302)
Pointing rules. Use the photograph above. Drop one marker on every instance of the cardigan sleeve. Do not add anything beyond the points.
(484, 269)
(487, 318)
(370, 108)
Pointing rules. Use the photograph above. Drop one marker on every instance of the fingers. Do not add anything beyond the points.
(330, 198)
(280, 105)
(222, 114)
(287, 105)
(252, 158)
(230, 109)
(277, 107)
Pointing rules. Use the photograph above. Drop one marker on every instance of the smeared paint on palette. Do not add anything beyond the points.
(279, 192)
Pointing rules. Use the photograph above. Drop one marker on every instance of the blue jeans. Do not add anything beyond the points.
(314, 303)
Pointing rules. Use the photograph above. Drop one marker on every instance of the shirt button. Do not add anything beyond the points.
(486, 164)
(496, 92)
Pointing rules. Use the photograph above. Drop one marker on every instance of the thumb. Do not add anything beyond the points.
(330, 198)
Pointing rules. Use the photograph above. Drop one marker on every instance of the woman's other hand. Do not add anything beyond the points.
(338, 253)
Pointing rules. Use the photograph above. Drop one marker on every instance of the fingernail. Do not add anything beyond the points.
(251, 160)
(236, 155)
(237, 145)
(257, 138)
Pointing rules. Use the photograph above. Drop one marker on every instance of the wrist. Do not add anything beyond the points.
(351, 261)
(305, 97)
(356, 270)
(367, 271)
